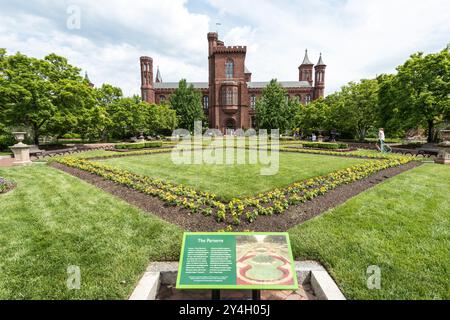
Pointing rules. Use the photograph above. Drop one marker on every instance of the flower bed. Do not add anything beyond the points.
(269, 203)
(5, 185)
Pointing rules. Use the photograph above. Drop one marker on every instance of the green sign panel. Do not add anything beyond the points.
(236, 261)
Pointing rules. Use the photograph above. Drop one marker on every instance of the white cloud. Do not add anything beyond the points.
(359, 38)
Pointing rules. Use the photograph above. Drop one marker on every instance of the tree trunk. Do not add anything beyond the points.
(36, 134)
(430, 131)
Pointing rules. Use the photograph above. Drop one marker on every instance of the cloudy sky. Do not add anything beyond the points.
(358, 38)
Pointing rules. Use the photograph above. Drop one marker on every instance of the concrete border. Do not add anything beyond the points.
(165, 273)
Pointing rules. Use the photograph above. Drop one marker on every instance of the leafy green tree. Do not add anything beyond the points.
(355, 108)
(187, 103)
(42, 94)
(274, 110)
(421, 90)
(97, 123)
(162, 119)
(129, 117)
(313, 116)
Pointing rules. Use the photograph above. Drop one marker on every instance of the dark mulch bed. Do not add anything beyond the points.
(290, 218)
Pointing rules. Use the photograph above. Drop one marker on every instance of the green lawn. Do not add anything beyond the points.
(53, 220)
(234, 181)
(402, 226)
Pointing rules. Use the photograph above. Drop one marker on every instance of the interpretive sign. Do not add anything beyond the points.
(257, 261)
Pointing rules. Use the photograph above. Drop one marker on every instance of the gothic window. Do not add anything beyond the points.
(205, 102)
(229, 69)
(253, 102)
(162, 98)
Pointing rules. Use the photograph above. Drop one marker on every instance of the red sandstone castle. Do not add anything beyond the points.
(229, 97)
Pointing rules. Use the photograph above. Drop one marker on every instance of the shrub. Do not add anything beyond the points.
(6, 141)
(322, 145)
(71, 136)
(153, 144)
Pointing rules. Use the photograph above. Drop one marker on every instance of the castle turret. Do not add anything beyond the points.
(213, 37)
(306, 69)
(147, 90)
(319, 83)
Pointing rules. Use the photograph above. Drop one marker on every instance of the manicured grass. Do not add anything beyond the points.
(234, 181)
(401, 225)
(53, 220)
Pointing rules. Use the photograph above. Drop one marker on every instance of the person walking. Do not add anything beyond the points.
(381, 138)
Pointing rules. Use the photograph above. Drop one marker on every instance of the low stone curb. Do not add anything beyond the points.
(165, 273)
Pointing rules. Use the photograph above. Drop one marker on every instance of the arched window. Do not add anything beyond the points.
(205, 102)
(162, 98)
(253, 102)
(229, 69)
(308, 99)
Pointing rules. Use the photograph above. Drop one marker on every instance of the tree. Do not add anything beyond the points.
(356, 107)
(43, 94)
(129, 117)
(274, 110)
(162, 119)
(313, 116)
(187, 103)
(422, 88)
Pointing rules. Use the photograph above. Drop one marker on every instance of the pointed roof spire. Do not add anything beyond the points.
(321, 63)
(86, 77)
(158, 76)
(306, 60)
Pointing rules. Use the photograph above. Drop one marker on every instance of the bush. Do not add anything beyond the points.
(322, 145)
(153, 144)
(71, 136)
(6, 141)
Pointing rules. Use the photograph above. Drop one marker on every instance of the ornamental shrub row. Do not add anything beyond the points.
(152, 144)
(269, 203)
(323, 145)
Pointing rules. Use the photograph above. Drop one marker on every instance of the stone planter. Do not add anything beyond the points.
(21, 151)
(444, 148)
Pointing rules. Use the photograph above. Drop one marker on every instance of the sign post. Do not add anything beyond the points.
(243, 261)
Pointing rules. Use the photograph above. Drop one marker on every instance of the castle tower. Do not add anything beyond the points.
(306, 69)
(228, 92)
(319, 88)
(147, 90)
